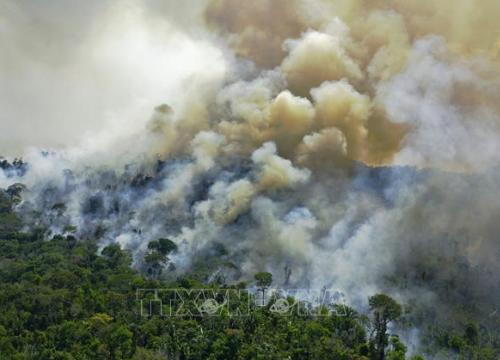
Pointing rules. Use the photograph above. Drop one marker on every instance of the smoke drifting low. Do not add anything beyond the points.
(339, 145)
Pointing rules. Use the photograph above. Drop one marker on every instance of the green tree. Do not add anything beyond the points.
(163, 246)
(264, 280)
(397, 349)
(385, 309)
(116, 257)
(472, 334)
(157, 256)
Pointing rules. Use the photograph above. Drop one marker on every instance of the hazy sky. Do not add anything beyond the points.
(70, 69)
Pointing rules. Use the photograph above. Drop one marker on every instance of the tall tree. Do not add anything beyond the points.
(385, 309)
(264, 280)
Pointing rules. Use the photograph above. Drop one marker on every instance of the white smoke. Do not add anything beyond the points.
(88, 73)
(451, 108)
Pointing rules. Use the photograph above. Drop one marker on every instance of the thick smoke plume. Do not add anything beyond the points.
(343, 144)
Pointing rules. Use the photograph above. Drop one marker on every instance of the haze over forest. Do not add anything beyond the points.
(351, 145)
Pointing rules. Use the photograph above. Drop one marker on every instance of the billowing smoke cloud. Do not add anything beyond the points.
(452, 118)
(351, 144)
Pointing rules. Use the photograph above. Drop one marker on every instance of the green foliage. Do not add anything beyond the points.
(397, 349)
(264, 279)
(472, 334)
(116, 257)
(385, 310)
(63, 299)
(384, 305)
(157, 257)
(163, 246)
(10, 224)
(5, 202)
